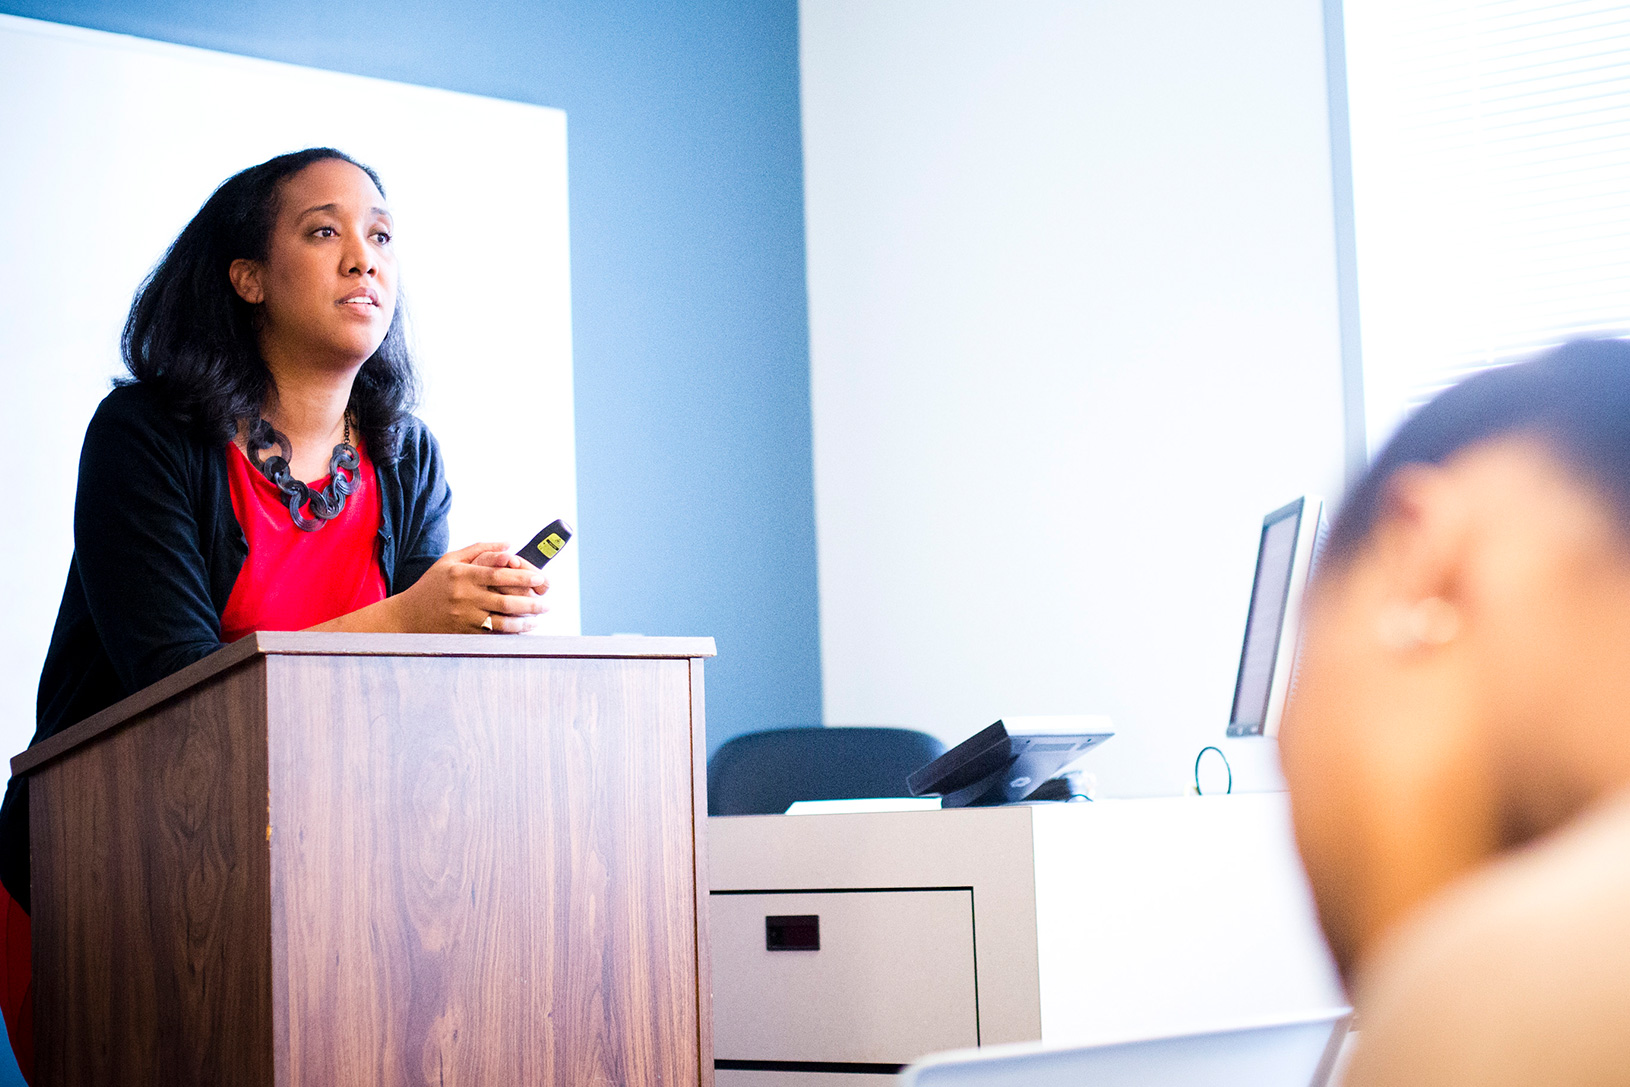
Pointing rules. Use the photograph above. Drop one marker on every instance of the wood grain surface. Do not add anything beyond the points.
(128, 709)
(151, 913)
(483, 871)
(622, 646)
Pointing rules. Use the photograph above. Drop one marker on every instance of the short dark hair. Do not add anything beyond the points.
(192, 339)
(1576, 399)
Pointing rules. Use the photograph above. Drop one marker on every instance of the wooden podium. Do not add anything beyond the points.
(334, 859)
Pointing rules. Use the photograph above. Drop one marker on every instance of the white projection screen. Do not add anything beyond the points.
(109, 144)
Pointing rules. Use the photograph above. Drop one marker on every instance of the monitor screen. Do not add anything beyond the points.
(1264, 625)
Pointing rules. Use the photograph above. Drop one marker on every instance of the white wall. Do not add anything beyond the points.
(108, 145)
(1074, 331)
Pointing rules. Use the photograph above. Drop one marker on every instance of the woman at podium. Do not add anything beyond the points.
(259, 470)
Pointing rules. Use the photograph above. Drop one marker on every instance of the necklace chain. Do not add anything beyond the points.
(325, 504)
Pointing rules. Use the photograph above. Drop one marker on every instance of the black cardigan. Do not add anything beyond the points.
(157, 549)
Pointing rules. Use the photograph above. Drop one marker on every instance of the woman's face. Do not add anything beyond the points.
(327, 288)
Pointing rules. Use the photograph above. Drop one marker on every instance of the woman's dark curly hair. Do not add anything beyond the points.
(190, 336)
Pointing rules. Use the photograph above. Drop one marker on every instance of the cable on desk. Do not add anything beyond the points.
(1199, 791)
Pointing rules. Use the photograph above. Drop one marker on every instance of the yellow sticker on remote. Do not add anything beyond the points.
(550, 545)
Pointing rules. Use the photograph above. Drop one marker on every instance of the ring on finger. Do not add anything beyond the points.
(486, 624)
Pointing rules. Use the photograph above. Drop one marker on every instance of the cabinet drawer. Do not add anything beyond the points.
(893, 978)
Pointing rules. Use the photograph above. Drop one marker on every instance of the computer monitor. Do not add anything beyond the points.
(1267, 663)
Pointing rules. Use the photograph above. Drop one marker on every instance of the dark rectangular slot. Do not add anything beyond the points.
(840, 1067)
(792, 932)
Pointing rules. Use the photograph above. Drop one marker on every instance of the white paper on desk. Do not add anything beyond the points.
(850, 807)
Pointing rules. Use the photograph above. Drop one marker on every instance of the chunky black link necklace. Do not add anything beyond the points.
(327, 503)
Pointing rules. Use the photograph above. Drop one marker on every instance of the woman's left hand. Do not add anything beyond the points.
(503, 560)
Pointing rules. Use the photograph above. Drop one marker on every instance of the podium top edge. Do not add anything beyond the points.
(621, 646)
(329, 644)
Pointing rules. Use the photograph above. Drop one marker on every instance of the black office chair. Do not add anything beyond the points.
(761, 773)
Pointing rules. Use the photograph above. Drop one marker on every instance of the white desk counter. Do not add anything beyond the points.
(1068, 923)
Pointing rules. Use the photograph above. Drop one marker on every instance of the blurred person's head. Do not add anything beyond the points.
(1465, 679)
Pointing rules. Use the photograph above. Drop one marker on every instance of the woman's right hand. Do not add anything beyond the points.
(457, 595)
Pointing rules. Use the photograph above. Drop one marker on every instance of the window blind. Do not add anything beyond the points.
(1491, 186)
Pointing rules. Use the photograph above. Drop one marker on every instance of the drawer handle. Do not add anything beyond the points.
(792, 932)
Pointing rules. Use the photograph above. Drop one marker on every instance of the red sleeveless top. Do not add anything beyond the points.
(293, 579)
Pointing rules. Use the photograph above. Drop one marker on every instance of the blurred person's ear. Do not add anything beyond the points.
(1423, 542)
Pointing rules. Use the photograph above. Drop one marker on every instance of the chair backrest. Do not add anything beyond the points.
(761, 773)
(1301, 1053)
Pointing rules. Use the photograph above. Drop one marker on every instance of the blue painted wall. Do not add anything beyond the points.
(690, 331)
